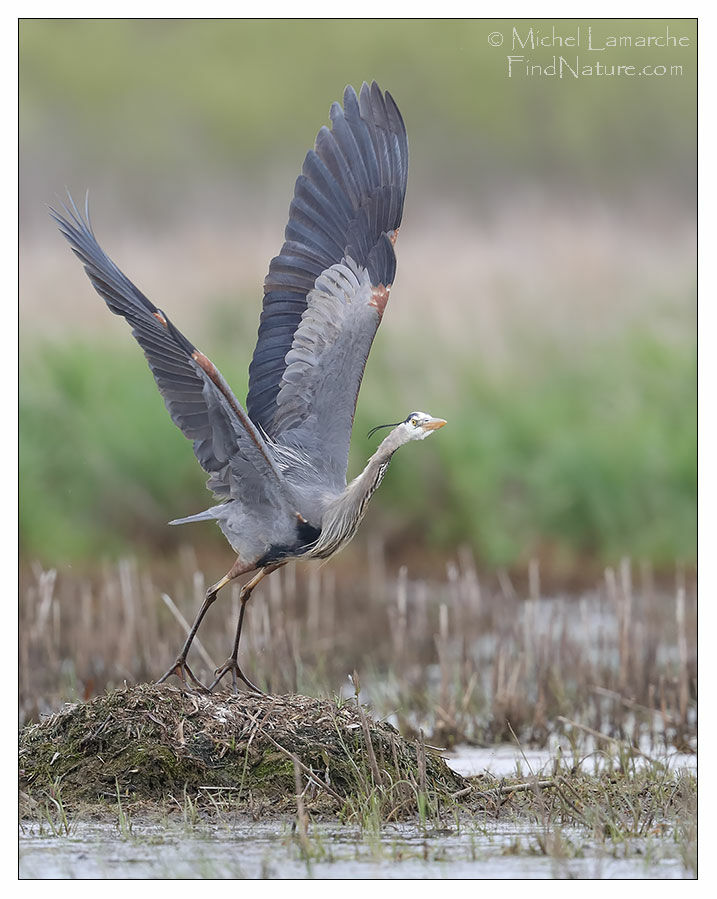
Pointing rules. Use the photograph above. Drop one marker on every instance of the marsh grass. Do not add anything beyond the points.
(469, 658)
(628, 807)
(600, 677)
(573, 816)
(51, 809)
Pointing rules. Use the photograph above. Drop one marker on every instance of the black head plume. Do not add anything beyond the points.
(378, 428)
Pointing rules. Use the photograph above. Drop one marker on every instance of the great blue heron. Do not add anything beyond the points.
(279, 468)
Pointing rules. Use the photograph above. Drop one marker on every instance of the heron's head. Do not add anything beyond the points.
(417, 426)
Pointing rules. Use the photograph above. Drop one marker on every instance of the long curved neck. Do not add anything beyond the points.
(344, 515)
(363, 487)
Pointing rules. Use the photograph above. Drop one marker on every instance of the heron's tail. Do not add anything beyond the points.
(207, 515)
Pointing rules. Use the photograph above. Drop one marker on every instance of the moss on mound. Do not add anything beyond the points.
(151, 742)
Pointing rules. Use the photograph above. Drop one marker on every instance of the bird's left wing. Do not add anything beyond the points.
(324, 367)
(327, 290)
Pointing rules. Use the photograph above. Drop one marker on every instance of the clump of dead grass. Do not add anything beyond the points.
(149, 742)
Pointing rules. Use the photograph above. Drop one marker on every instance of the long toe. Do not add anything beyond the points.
(197, 683)
(231, 665)
(219, 674)
(175, 669)
(252, 687)
(182, 670)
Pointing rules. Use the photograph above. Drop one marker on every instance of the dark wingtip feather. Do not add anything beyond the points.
(349, 195)
(350, 95)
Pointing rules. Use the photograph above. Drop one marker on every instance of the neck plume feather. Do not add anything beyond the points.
(343, 517)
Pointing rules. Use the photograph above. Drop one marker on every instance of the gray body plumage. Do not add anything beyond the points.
(279, 468)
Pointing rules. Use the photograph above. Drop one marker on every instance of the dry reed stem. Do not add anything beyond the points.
(600, 736)
(682, 651)
(625, 598)
(507, 789)
(631, 704)
(421, 753)
(373, 764)
(534, 579)
(457, 658)
(301, 816)
(398, 619)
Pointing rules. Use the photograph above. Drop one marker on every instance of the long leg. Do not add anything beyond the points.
(180, 664)
(232, 663)
(179, 667)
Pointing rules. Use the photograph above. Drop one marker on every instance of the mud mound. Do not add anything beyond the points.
(152, 742)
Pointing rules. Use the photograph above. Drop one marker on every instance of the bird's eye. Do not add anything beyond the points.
(414, 422)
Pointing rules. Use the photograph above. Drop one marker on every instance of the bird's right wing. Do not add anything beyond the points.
(227, 444)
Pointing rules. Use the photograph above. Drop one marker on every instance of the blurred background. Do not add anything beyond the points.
(544, 304)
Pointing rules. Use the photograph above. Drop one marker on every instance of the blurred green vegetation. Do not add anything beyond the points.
(588, 457)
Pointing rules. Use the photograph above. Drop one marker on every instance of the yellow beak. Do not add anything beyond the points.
(434, 424)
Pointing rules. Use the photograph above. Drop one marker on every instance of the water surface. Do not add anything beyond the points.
(473, 847)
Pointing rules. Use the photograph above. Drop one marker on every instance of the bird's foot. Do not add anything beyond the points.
(182, 670)
(236, 672)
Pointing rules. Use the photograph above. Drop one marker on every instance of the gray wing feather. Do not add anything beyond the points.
(347, 199)
(324, 368)
(226, 443)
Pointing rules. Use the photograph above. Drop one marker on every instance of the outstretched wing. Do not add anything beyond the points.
(226, 443)
(325, 293)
